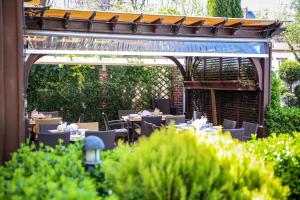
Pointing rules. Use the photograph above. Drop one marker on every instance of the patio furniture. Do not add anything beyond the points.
(81, 118)
(91, 126)
(164, 105)
(236, 133)
(52, 114)
(148, 129)
(37, 123)
(140, 129)
(119, 126)
(122, 113)
(250, 128)
(155, 127)
(44, 128)
(176, 119)
(197, 115)
(229, 124)
(108, 138)
(52, 139)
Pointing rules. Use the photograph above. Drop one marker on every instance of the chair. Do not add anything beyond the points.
(229, 124)
(44, 128)
(122, 113)
(52, 114)
(52, 139)
(236, 133)
(148, 129)
(119, 126)
(164, 105)
(250, 128)
(156, 120)
(45, 121)
(197, 115)
(108, 138)
(155, 127)
(91, 126)
(176, 119)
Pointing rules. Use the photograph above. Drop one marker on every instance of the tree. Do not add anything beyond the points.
(292, 36)
(289, 71)
(221, 8)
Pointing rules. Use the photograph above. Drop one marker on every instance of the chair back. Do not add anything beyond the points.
(52, 139)
(108, 138)
(156, 120)
(46, 121)
(105, 119)
(52, 114)
(229, 124)
(164, 105)
(236, 133)
(44, 128)
(176, 119)
(91, 126)
(197, 115)
(148, 129)
(250, 128)
(122, 113)
(155, 127)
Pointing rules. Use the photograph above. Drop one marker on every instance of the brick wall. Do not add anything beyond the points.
(178, 89)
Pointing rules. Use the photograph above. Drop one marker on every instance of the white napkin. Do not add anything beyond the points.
(199, 123)
(146, 113)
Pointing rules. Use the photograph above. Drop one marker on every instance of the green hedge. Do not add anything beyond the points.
(180, 165)
(283, 153)
(281, 119)
(50, 174)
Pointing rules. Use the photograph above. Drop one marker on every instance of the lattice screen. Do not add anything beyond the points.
(210, 69)
(238, 106)
(155, 84)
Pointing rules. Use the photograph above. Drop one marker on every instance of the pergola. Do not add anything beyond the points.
(218, 52)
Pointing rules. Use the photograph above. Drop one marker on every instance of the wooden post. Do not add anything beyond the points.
(214, 106)
(11, 78)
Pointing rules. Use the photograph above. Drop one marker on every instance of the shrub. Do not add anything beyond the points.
(283, 153)
(289, 71)
(283, 120)
(180, 165)
(50, 174)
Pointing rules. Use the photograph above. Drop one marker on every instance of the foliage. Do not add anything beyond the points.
(283, 120)
(275, 91)
(135, 87)
(292, 35)
(220, 8)
(71, 90)
(46, 174)
(180, 165)
(289, 71)
(283, 153)
(297, 93)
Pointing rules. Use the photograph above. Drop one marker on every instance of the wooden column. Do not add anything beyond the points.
(214, 107)
(11, 77)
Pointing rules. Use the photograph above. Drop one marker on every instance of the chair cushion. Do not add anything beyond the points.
(121, 132)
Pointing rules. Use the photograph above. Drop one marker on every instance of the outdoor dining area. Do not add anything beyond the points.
(49, 128)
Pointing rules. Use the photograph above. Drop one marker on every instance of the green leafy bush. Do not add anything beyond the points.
(283, 153)
(283, 120)
(289, 71)
(50, 174)
(181, 165)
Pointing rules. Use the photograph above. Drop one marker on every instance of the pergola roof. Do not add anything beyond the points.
(133, 23)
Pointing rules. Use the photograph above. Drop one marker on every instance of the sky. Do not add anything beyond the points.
(264, 4)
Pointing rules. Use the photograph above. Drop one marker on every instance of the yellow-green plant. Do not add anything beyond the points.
(183, 165)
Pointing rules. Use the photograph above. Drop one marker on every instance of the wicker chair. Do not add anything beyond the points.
(148, 129)
(176, 119)
(197, 115)
(236, 133)
(108, 138)
(119, 126)
(250, 128)
(140, 129)
(164, 105)
(44, 128)
(229, 124)
(52, 139)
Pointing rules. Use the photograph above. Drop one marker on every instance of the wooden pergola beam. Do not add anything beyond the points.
(113, 22)
(134, 25)
(218, 26)
(91, 19)
(156, 23)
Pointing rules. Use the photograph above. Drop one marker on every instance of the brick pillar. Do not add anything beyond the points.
(178, 88)
(103, 76)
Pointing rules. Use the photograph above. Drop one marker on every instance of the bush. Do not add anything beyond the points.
(289, 71)
(179, 165)
(283, 120)
(50, 174)
(283, 153)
